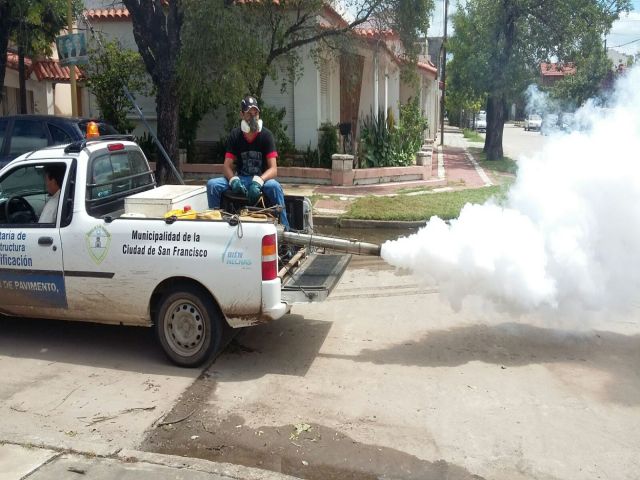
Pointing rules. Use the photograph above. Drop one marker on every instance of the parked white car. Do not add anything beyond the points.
(533, 122)
(481, 123)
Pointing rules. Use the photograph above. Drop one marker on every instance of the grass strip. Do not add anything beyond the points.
(472, 135)
(446, 205)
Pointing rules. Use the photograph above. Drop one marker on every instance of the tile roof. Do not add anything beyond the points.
(557, 69)
(375, 33)
(428, 67)
(51, 70)
(45, 70)
(12, 61)
(108, 14)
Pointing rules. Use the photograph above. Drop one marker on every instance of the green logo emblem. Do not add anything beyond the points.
(98, 241)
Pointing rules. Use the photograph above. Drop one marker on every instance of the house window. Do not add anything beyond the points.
(324, 92)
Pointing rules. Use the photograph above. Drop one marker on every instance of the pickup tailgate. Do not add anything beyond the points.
(315, 278)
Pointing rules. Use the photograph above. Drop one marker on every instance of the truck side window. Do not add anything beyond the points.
(101, 176)
(24, 190)
(112, 177)
(139, 166)
(121, 169)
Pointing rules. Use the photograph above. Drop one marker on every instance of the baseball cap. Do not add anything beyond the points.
(249, 102)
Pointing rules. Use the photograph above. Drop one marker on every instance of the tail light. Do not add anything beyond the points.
(269, 258)
(92, 130)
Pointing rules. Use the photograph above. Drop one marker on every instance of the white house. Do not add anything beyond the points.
(336, 90)
(47, 85)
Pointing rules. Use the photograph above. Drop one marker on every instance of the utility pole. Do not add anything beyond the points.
(444, 72)
(72, 67)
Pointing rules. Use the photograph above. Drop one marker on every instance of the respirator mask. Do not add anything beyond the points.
(254, 125)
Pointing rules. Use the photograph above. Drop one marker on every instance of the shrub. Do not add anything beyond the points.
(273, 119)
(387, 144)
(327, 144)
(375, 144)
(148, 146)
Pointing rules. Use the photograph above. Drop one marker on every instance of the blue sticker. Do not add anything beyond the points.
(37, 289)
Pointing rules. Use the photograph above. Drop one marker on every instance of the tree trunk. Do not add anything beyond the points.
(22, 83)
(156, 29)
(495, 125)
(167, 108)
(5, 31)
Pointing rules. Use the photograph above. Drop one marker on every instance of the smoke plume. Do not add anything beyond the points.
(568, 237)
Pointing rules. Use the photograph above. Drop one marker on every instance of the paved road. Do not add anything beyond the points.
(515, 141)
(385, 380)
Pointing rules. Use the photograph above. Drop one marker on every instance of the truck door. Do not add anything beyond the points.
(31, 273)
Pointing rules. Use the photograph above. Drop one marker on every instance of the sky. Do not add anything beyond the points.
(624, 36)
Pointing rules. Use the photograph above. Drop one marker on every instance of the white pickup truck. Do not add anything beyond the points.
(114, 256)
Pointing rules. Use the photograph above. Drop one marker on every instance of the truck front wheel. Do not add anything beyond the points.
(189, 326)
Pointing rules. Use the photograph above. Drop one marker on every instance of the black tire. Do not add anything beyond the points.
(189, 326)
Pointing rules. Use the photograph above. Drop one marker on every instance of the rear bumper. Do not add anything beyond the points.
(272, 305)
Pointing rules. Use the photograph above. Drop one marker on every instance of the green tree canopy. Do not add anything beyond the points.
(32, 25)
(110, 67)
(228, 48)
(592, 68)
(245, 44)
(498, 44)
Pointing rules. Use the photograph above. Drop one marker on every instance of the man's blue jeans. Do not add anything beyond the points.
(272, 191)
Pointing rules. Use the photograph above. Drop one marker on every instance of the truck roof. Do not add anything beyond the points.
(73, 149)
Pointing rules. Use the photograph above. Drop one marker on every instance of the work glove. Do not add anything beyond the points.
(255, 189)
(237, 187)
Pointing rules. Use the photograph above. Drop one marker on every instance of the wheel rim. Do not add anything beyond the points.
(184, 328)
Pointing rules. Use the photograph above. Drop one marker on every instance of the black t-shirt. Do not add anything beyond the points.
(251, 157)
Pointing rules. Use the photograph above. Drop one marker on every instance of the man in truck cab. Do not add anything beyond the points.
(53, 177)
(250, 163)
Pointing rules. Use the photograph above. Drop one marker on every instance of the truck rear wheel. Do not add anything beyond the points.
(189, 326)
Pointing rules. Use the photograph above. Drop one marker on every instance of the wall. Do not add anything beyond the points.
(393, 91)
(307, 104)
(42, 93)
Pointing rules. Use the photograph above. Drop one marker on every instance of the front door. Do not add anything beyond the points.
(31, 273)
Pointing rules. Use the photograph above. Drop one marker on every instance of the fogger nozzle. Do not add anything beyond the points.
(340, 244)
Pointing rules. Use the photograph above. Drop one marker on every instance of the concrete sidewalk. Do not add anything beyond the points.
(18, 462)
(453, 168)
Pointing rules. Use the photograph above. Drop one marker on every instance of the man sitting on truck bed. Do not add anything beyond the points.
(250, 165)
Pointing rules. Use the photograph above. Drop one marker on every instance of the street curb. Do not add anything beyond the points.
(228, 470)
(339, 222)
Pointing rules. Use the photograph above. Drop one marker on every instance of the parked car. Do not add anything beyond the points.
(533, 122)
(481, 121)
(24, 133)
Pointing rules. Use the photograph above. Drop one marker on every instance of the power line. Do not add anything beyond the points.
(625, 44)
